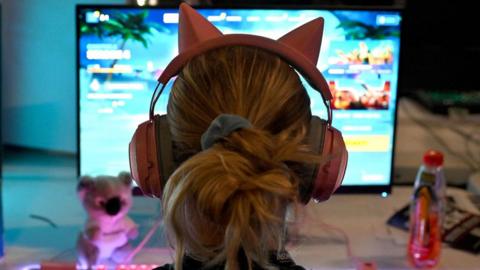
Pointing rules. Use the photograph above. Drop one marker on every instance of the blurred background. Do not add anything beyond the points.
(439, 54)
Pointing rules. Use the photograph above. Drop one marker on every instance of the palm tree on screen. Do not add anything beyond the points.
(356, 30)
(124, 26)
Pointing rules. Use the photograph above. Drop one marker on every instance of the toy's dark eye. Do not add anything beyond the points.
(100, 202)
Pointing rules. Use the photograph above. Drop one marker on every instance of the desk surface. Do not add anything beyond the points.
(363, 218)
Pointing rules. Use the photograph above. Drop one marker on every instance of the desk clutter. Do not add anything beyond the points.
(456, 134)
(461, 229)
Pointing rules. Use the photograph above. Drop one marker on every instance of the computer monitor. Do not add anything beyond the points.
(122, 51)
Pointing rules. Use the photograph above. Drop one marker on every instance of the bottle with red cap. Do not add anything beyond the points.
(427, 212)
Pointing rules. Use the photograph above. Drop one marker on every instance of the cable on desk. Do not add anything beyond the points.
(61, 254)
(45, 219)
(147, 237)
(471, 163)
(354, 259)
(134, 252)
(470, 137)
(470, 152)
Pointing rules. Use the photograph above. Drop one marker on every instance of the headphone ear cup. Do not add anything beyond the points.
(329, 176)
(164, 151)
(315, 138)
(151, 157)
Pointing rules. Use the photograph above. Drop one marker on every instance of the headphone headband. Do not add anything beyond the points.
(299, 48)
(298, 61)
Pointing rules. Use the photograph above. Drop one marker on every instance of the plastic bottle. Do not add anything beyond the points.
(427, 212)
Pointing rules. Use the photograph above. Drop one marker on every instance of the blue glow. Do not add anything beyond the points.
(362, 72)
(384, 194)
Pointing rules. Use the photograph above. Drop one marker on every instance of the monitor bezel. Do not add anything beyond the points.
(344, 189)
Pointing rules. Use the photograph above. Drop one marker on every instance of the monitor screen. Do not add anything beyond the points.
(122, 51)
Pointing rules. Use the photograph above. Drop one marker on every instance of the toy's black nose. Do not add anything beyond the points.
(112, 206)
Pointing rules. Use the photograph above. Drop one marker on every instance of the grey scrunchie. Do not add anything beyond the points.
(221, 127)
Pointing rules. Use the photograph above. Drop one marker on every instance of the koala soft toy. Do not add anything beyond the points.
(108, 229)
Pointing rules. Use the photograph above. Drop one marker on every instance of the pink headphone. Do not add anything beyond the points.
(150, 150)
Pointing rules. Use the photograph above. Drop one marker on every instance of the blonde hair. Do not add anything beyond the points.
(232, 197)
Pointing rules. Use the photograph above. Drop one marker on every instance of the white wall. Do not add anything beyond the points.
(38, 73)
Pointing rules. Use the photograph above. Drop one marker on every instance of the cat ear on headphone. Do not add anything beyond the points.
(193, 28)
(306, 39)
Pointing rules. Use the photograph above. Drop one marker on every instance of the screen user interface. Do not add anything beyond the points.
(123, 51)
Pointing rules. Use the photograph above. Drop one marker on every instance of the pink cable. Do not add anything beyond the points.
(354, 259)
(144, 241)
(350, 254)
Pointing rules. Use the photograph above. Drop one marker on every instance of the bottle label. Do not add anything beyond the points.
(427, 179)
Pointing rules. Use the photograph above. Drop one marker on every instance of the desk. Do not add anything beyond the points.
(363, 218)
(413, 139)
